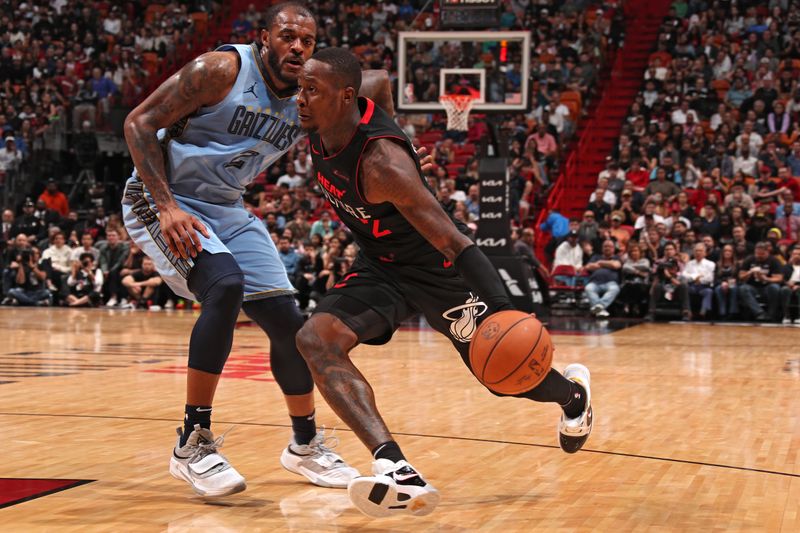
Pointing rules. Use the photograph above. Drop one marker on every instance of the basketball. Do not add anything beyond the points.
(511, 352)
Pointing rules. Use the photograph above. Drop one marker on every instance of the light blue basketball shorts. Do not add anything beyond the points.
(231, 230)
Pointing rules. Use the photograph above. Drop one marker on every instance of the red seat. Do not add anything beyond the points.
(555, 286)
(462, 159)
(454, 169)
(565, 270)
(466, 149)
(430, 137)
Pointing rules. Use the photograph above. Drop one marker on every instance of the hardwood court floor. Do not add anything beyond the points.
(696, 429)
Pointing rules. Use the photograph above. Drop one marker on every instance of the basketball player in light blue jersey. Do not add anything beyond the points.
(196, 142)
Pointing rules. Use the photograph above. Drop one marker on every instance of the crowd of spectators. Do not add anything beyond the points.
(50, 257)
(699, 206)
(570, 42)
(64, 64)
(67, 63)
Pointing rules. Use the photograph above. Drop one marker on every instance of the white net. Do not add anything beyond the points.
(457, 107)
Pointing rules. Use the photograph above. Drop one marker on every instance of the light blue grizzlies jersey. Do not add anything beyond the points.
(213, 154)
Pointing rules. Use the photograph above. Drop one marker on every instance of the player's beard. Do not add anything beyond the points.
(275, 67)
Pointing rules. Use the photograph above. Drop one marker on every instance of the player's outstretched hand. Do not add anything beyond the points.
(180, 231)
(425, 159)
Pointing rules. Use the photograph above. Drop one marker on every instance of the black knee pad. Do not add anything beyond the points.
(280, 318)
(211, 268)
(218, 283)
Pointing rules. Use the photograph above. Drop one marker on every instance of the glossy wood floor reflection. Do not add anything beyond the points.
(696, 429)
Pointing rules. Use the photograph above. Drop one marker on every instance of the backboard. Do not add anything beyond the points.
(494, 66)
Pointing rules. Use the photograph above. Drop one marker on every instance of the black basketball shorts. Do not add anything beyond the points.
(373, 298)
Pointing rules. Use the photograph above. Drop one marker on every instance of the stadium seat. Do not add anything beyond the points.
(200, 20)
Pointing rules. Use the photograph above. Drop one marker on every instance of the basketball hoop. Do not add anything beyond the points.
(457, 107)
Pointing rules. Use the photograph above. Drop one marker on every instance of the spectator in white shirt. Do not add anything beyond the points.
(608, 197)
(569, 253)
(750, 138)
(698, 274)
(292, 179)
(559, 116)
(649, 218)
(679, 116)
(59, 254)
(302, 163)
(10, 156)
(746, 163)
(112, 23)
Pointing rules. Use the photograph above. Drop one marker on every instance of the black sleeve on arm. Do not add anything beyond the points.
(481, 277)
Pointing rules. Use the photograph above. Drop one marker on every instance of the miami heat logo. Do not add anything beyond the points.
(464, 325)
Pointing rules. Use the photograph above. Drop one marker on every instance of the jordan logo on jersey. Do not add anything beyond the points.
(252, 89)
(463, 326)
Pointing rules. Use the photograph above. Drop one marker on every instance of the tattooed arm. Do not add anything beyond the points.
(388, 174)
(376, 86)
(202, 82)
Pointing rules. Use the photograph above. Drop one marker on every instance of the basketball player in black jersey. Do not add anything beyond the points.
(413, 258)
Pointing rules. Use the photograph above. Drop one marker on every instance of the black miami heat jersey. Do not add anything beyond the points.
(380, 230)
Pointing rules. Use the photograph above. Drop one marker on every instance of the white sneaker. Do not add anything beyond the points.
(125, 304)
(201, 466)
(318, 462)
(112, 302)
(596, 308)
(169, 305)
(602, 313)
(573, 432)
(155, 308)
(393, 489)
(787, 321)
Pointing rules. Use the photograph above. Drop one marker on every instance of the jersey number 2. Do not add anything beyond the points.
(239, 161)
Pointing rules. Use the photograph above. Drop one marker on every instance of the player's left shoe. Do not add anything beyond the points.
(200, 464)
(393, 489)
(318, 462)
(573, 432)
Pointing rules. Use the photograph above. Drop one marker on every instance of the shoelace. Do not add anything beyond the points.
(323, 445)
(208, 447)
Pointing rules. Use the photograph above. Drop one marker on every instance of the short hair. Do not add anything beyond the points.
(276, 9)
(86, 255)
(343, 63)
(762, 245)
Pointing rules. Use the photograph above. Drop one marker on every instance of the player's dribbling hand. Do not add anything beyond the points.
(425, 159)
(180, 231)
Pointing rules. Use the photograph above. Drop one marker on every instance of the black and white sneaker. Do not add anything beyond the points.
(573, 432)
(200, 464)
(393, 489)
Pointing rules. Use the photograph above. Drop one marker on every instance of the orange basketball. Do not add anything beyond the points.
(511, 352)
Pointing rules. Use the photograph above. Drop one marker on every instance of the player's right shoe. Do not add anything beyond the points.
(200, 464)
(318, 462)
(393, 489)
(573, 432)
